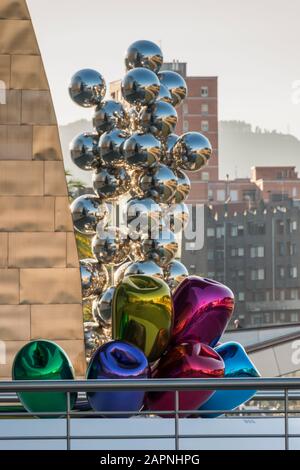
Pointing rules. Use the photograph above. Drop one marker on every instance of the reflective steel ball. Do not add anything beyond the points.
(111, 147)
(164, 94)
(111, 183)
(108, 115)
(142, 150)
(43, 360)
(174, 273)
(159, 118)
(145, 54)
(192, 151)
(176, 85)
(87, 211)
(140, 86)
(143, 314)
(141, 214)
(148, 267)
(87, 88)
(117, 360)
(161, 249)
(102, 307)
(119, 272)
(160, 183)
(110, 246)
(183, 187)
(92, 338)
(176, 217)
(94, 277)
(84, 150)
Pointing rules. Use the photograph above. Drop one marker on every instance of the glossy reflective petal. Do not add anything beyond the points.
(84, 150)
(140, 86)
(117, 360)
(87, 88)
(43, 360)
(190, 360)
(192, 151)
(237, 364)
(145, 54)
(87, 211)
(202, 309)
(143, 314)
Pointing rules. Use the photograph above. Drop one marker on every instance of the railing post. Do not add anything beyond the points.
(286, 419)
(176, 420)
(68, 422)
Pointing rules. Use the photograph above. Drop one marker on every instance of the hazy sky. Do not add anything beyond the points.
(251, 45)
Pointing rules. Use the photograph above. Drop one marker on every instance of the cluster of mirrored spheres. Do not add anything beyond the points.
(150, 318)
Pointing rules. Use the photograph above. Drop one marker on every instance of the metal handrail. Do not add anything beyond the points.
(151, 384)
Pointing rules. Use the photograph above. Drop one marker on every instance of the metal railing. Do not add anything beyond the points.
(279, 389)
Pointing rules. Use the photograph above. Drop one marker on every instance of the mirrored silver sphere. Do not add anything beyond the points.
(102, 307)
(111, 183)
(174, 273)
(183, 187)
(140, 86)
(92, 338)
(161, 249)
(148, 267)
(87, 88)
(192, 151)
(111, 147)
(176, 85)
(87, 211)
(110, 246)
(108, 115)
(94, 277)
(84, 150)
(119, 272)
(141, 215)
(159, 118)
(160, 183)
(176, 217)
(145, 54)
(142, 150)
(164, 94)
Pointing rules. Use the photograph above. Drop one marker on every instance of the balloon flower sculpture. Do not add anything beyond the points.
(151, 319)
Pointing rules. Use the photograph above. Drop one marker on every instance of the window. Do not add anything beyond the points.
(241, 296)
(256, 228)
(210, 232)
(210, 255)
(281, 272)
(257, 319)
(257, 251)
(185, 126)
(249, 195)
(257, 274)
(237, 230)
(281, 249)
(220, 231)
(291, 225)
(204, 176)
(204, 108)
(294, 317)
(219, 255)
(204, 126)
(280, 227)
(294, 192)
(237, 252)
(291, 248)
(234, 195)
(185, 108)
(293, 272)
(241, 274)
(294, 294)
(210, 195)
(204, 91)
(220, 194)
